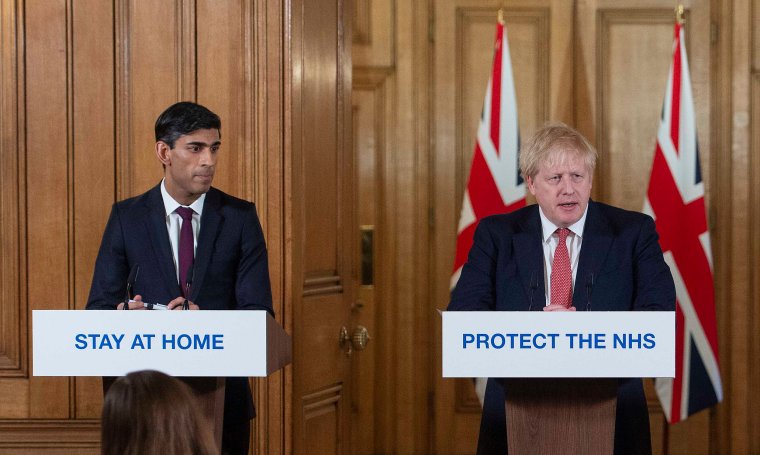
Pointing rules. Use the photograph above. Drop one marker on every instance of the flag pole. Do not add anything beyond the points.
(500, 16)
(679, 14)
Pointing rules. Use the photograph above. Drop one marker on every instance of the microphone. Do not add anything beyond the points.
(533, 287)
(188, 285)
(589, 287)
(130, 284)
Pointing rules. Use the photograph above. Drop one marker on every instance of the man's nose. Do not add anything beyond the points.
(566, 185)
(206, 158)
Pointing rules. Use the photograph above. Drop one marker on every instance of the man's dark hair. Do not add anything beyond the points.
(184, 118)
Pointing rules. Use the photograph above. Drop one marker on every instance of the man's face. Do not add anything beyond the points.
(562, 187)
(190, 165)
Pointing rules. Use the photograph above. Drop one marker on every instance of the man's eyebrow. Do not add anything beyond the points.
(203, 144)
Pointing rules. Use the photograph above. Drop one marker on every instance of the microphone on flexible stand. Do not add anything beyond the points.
(188, 286)
(533, 287)
(589, 287)
(130, 284)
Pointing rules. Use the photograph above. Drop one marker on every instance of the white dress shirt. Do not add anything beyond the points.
(550, 241)
(174, 222)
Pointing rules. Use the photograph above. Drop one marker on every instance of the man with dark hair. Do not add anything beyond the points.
(196, 247)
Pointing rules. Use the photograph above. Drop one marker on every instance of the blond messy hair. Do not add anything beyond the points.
(551, 140)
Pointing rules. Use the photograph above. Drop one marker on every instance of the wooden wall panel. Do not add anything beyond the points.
(224, 85)
(323, 421)
(732, 225)
(408, 215)
(14, 393)
(368, 115)
(754, 228)
(93, 142)
(151, 58)
(59, 437)
(48, 134)
(754, 252)
(637, 43)
(374, 376)
(374, 36)
(322, 157)
(267, 50)
(12, 311)
(612, 35)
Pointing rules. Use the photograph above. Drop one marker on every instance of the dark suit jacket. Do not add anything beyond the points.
(230, 271)
(620, 255)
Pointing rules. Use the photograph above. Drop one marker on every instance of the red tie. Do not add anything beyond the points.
(186, 247)
(562, 276)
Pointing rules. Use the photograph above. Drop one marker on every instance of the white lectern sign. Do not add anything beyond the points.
(579, 344)
(179, 343)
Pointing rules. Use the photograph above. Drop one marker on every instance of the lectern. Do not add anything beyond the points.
(575, 414)
(559, 370)
(200, 347)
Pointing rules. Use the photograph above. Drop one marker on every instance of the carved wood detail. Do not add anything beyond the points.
(327, 283)
(362, 22)
(49, 434)
(12, 225)
(322, 414)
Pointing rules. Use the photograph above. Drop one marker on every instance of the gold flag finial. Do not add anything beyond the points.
(500, 16)
(679, 14)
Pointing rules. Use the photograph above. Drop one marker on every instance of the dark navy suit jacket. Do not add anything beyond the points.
(620, 255)
(230, 269)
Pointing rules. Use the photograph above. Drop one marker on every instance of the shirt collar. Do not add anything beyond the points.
(170, 205)
(548, 228)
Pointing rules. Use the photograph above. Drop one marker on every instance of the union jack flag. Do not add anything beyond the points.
(675, 199)
(494, 185)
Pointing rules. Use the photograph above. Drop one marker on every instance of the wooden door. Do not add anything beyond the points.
(321, 198)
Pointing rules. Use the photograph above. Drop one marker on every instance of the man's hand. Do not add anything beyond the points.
(556, 307)
(178, 303)
(136, 304)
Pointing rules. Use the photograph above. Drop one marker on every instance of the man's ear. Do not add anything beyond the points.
(162, 152)
(529, 181)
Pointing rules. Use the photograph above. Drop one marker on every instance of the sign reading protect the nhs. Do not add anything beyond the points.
(179, 343)
(558, 344)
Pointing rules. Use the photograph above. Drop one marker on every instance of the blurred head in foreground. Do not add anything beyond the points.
(150, 412)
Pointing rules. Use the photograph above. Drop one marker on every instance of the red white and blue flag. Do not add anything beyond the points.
(494, 185)
(676, 200)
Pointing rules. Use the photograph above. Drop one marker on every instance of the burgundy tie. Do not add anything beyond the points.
(562, 276)
(186, 248)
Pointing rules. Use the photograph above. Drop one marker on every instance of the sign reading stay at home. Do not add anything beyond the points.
(558, 344)
(180, 343)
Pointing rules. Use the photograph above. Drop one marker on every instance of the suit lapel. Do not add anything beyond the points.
(155, 223)
(211, 224)
(529, 255)
(597, 239)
